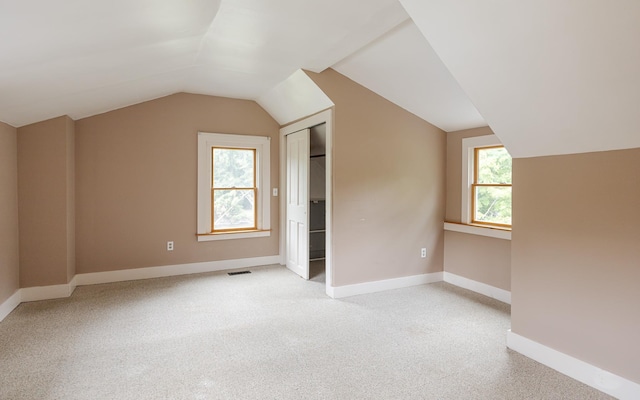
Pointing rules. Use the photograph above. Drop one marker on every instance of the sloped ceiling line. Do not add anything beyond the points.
(550, 77)
(136, 51)
(295, 98)
(402, 67)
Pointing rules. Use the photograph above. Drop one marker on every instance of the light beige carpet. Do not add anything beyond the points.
(267, 335)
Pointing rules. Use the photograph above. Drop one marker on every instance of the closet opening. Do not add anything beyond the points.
(317, 202)
(306, 201)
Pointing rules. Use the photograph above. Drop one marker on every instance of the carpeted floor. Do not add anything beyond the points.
(267, 335)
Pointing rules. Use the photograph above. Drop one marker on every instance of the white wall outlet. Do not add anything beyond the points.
(170, 246)
(423, 252)
(275, 192)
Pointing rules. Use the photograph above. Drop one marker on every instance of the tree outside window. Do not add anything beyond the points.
(491, 187)
(233, 189)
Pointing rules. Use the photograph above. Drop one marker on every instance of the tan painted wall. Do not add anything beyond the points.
(576, 256)
(388, 186)
(44, 193)
(136, 182)
(9, 255)
(480, 258)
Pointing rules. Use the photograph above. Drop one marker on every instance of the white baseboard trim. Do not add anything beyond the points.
(329, 290)
(338, 292)
(588, 374)
(478, 287)
(10, 304)
(94, 278)
(37, 293)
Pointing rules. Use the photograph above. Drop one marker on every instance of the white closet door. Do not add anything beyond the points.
(298, 203)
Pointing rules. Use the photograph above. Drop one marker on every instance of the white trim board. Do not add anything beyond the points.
(95, 278)
(261, 145)
(478, 287)
(338, 292)
(65, 290)
(37, 293)
(588, 374)
(10, 304)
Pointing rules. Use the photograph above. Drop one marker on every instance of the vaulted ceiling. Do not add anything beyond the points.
(82, 57)
(549, 77)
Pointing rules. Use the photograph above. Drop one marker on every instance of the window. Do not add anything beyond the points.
(486, 182)
(233, 186)
(491, 187)
(233, 189)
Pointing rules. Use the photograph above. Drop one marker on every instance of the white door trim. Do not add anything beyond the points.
(317, 119)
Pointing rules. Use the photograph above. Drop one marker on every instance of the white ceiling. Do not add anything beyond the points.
(294, 98)
(549, 76)
(81, 57)
(403, 68)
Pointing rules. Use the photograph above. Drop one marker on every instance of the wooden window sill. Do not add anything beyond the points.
(489, 231)
(206, 237)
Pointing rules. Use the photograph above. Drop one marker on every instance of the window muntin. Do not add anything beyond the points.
(258, 188)
(233, 189)
(491, 187)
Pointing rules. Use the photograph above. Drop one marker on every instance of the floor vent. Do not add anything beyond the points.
(238, 273)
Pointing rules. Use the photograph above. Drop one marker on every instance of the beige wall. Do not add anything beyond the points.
(388, 186)
(576, 256)
(9, 256)
(479, 258)
(136, 182)
(44, 193)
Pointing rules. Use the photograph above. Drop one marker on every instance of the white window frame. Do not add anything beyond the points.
(262, 146)
(468, 154)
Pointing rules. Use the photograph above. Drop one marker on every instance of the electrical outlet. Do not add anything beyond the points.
(170, 246)
(423, 252)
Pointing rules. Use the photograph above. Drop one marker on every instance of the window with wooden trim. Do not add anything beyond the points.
(233, 189)
(486, 183)
(233, 186)
(491, 187)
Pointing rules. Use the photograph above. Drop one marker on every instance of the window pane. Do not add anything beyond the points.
(233, 209)
(494, 165)
(493, 204)
(233, 168)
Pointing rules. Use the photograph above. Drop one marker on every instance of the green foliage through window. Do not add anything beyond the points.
(492, 186)
(233, 191)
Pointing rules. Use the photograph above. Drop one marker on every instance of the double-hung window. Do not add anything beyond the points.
(486, 182)
(233, 186)
(491, 187)
(233, 190)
